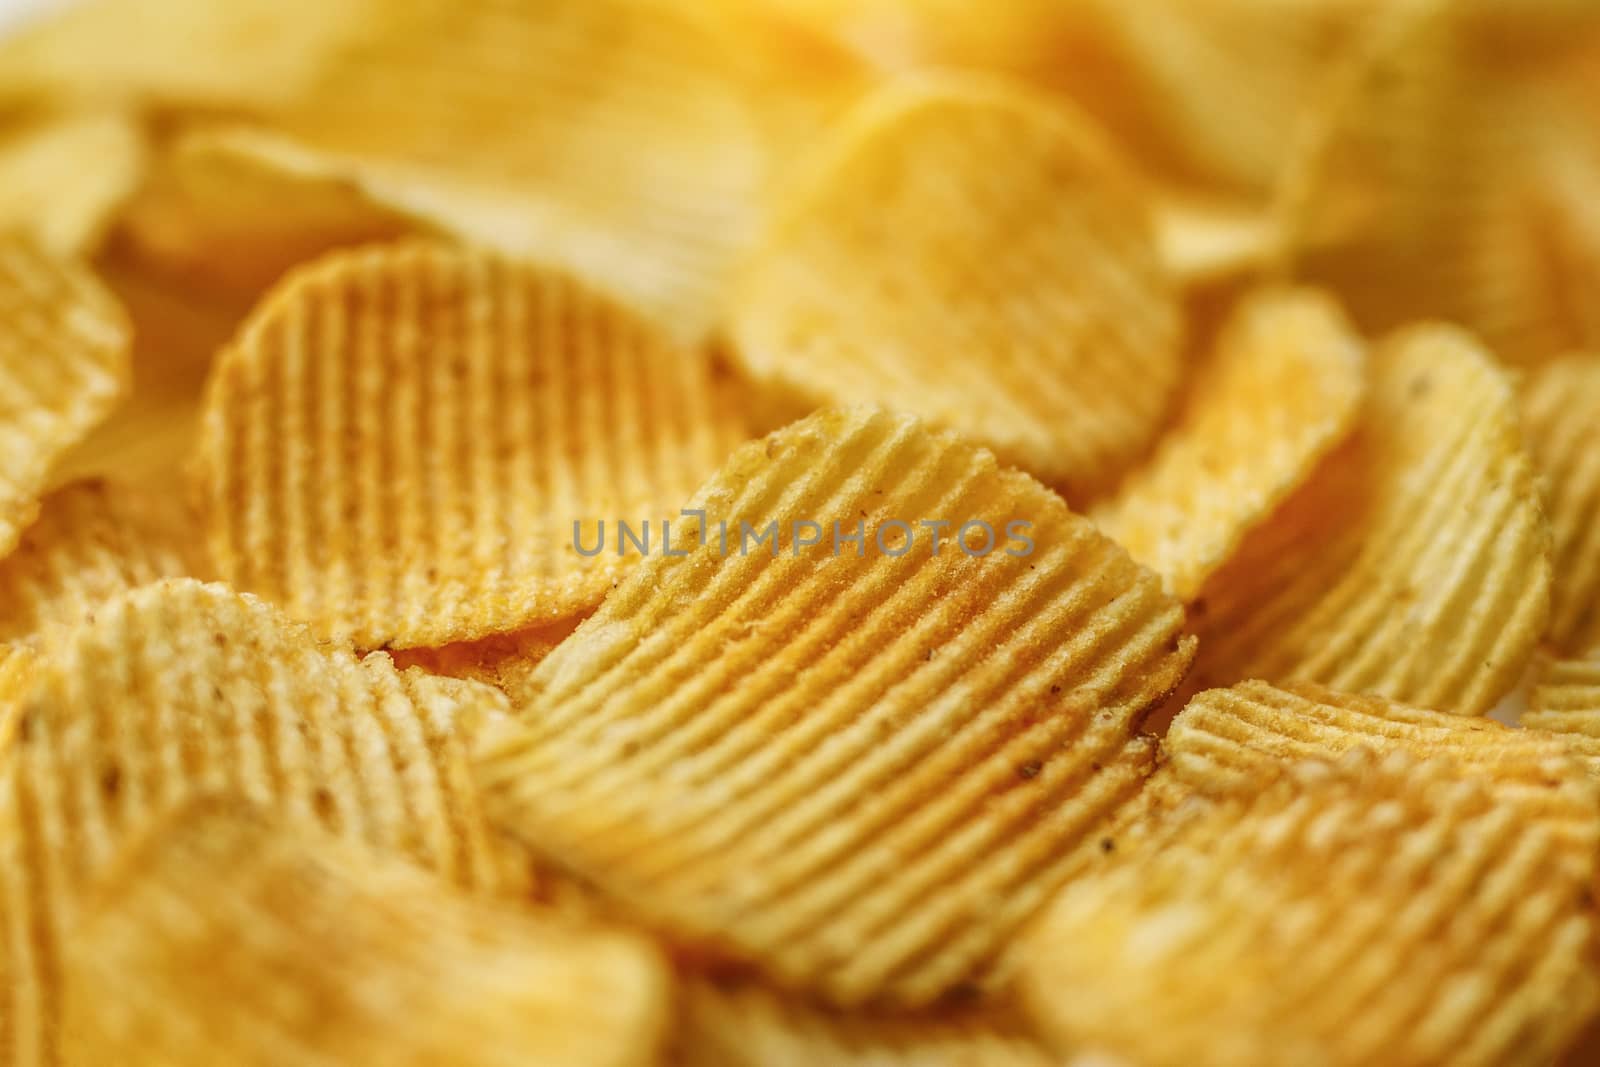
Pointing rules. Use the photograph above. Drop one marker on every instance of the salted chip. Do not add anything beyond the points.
(413, 445)
(749, 1025)
(1387, 912)
(92, 540)
(63, 366)
(859, 766)
(975, 255)
(63, 179)
(1282, 388)
(298, 949)
(1414, 564)
(1566, 697)
(183, 687)
(1561, 417)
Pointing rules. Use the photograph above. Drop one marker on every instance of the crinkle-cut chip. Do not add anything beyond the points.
(973, 254)
(63, 366)
(1205, 241)
(858, 773)
(181, 687)
(1566, 696)
(1561, 419)
(748, 1025)
(1415, 562)
(1282, 388)
(63, 179)
(399, 443)
(260, 944)
(17, 664)
(613, 137)
(1389, 911)
(504, 661)
(92, 540)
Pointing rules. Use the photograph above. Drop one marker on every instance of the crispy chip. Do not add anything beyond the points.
(1566, 698)
(1414, 563)
(63, 365)
(399, 443)
(182, 687)
(748, 1025)
(861, 773)
(1561, 417)
(63, 179)
(17, 664)
(1282, 389)
(90, 542)
(309, 951)
(1392, 912)
(974, 255)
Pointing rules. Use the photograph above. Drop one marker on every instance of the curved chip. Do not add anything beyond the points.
(1415, 562)
(402, 443)
(974, 255)
(63, 179)
(1566, 698)
(860, 772)
(1282, 389)
(1370, 912)
(1561, 417)
(63, 366)
(17, 664)
(182, 687)
(309, 951)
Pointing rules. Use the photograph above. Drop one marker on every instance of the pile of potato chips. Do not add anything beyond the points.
(721, 533)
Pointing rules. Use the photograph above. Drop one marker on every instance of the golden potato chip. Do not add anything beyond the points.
(63, 365)
(859, 766)
(401, 445)
(182, 687)
(1566, 697)
(747, 1025)
(1414, 564)
(305, 950)
(1282, 389)
(1561, 417)
(63, 179)
(974, 255)
(17, 664)
(91, 541)
(1371, 912)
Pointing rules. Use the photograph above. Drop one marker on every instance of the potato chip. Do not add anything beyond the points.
(1566, 697)
(1371, 912)
(91, 541)
(309, 951)
(1414, 564)
(858, 766)
(1282, 389)
(1561, 417)
(401, 445)
(747, 1025)
(63, 179)
(182, 687)
(974, 255)
(17, 664)
(63, 365)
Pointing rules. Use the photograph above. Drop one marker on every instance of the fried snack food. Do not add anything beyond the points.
(17, 664)
(63, 366)
(402, 442)
(1561, 418)
(64, 178)
(1566, 697)
(859, 772)
(975, 255)
(1392, 911)
(92, 540)
(1415, 562)
(182, 687)
(312, 951)
(1282, 389)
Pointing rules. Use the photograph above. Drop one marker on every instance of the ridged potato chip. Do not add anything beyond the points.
(63, 179)
(310, 951)
(1566, 698)
(63, 366)
(1389, 912)
(1415, 562)
(1561, 418)
(1281, 389)
(974, 255)
(860, 773)
(17, 664)
(399, 445)
(747, 1025)
(182, 687)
